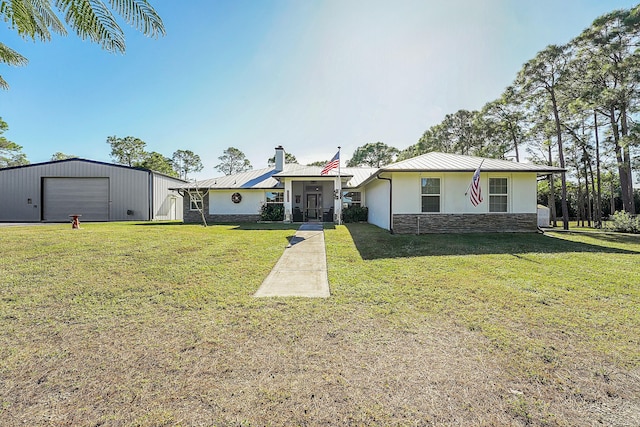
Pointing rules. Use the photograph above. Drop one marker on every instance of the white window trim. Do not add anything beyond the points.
(359, 202)
(440, 194)
(508, 194)
(196, 209)
(267, 202)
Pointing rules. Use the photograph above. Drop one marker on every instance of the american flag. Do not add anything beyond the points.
(333, 164)
(476, 191)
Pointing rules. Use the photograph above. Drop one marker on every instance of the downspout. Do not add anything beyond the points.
(390, 202)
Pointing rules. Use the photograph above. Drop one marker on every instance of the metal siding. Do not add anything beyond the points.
(88, 197)
(129, 188)
(163, 207)
(16, 187)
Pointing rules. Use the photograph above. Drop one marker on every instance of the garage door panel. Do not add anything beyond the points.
(88, 197)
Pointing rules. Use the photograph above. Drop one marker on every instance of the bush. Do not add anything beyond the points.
(624, 223)
(355, 213)
(272, 212)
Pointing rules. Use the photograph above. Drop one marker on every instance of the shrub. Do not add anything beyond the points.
(272, 212)
(624, 223)
(355, 213)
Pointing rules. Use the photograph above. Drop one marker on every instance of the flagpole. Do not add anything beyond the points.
(469, 186)
(339, 212)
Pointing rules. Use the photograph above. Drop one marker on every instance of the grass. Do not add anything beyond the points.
(152, 325)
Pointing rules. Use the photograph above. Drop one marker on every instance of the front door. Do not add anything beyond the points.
(314, 206)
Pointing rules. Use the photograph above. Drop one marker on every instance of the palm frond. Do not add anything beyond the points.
(11, 57)
(32, 18)
(3, 84)
(92, 19)
(140, 15)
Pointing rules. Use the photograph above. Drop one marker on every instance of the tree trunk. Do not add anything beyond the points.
(552, 194)
(579, 199)
(599, 193)
(556, 116)
(587, 164)
(515, 143)
(622, 171)
(631, 209)
(613, 197)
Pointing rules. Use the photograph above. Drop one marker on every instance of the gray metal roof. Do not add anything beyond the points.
(445, 162)
(431, 162)
(95, 162)
(271, 178)
(257, 178)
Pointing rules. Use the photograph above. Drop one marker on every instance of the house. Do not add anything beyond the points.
(98, 191)
(425, 194)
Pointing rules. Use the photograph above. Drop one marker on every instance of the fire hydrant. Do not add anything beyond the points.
(75, 222)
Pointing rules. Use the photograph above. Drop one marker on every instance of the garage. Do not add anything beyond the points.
(51, 191)
(88, 197)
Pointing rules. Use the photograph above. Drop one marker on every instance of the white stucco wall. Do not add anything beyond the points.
(453, 186)
(377, 201)
(220, 202)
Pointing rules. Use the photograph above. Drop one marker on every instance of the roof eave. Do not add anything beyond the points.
(541, 171)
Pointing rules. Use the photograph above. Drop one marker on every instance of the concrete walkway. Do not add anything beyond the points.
(302, 268)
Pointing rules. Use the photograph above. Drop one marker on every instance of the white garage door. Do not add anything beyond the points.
(88, 197)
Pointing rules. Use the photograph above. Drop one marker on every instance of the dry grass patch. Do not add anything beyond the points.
(126, 325)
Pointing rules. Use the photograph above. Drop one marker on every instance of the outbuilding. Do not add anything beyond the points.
(52, 191)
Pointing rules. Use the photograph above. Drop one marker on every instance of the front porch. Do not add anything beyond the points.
(316, 200)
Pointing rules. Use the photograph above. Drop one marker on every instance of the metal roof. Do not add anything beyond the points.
(268, 178)
(446, 162)
(95, 162)
(258, 178)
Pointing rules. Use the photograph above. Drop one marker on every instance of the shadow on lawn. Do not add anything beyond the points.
(259, 226)
(275, 226)
(375, 243)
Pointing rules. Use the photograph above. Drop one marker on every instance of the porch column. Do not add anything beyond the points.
(337, 206)
(287, 200)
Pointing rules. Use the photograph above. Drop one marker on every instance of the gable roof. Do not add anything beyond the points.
(270, 178)
(95, 162)
(446, 162)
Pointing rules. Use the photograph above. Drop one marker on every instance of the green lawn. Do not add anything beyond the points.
(129, 324)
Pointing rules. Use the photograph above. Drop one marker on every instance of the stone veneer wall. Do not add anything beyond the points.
(464, 223)
(195, 217)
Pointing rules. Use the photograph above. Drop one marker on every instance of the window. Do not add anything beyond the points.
(351, 198)
(430, 194)
(274, 196)
(195, 201)
(498, 195)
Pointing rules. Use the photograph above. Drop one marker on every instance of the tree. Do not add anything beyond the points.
(376, 154)
(288, 158)
(318, 163)
(10, 153)
(157, 162)
(505, 119)
(90, 19)
(62, 156)
(128, 150)
(609, 46)
(185, 161)
(541, 79)
(233, 161)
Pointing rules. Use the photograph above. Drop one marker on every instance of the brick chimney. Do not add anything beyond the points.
(279, 158)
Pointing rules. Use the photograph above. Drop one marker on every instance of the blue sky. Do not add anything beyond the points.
(307, 75)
